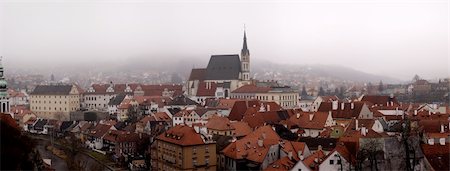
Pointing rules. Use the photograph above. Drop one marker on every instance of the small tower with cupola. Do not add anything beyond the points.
(4, 97)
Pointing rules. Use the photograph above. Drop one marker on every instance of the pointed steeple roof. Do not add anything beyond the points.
(245, 50)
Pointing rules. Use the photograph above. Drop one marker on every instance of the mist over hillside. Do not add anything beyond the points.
(261, 69)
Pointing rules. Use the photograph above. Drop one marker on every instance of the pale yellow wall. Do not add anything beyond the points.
(282, 99)
(55, 106)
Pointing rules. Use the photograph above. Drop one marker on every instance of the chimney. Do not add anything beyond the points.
(415, 112)
(260, 142)
(363, 131)
(392, 103)
(342, 105)
(197, 129)
(298, 115)
(268, 107)
(352, 105)
(299, 154)
(311, 116)
(334, 105)
(290, 155)
(442, 141)
(429, 112)
(316, 160)
(431, 141)
(319, 147)
(442, 128)
(387, 103)
(356, 123)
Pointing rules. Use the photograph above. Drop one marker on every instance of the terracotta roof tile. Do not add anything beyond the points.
(100, 130)
(219, 123)
(302, 120)
(314, 160)
(437, 156)
(252, 89)
(204, 91)
(197, 74)
(347, 113)
(241, 128)
(248, 147)
(282, 164)
(380, 100)
(181, 135)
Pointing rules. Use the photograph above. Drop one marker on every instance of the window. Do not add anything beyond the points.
(331, 162)
(338, 161)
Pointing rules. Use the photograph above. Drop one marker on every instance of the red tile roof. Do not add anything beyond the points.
(241, 128)
(252, 89)
(203, 91)
(294, 147)
(7, 119)
(282, 164)
(197, 74)
(160, 100)
(302, 120)
(380, 100)
(437, 155)
(240, 108)
(433, 126)
(314, 160)
(162, 116)
(219, 124)
(121, 136)
(12, 93)
(181, 135)
(149, 90)
(329, 98)
(347, 113)
(248, 147)
(100, 130)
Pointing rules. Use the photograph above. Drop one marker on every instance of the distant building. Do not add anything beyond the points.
(227, 71)
(55, 101)
(4, 97)
(17, 97)
(284, 96)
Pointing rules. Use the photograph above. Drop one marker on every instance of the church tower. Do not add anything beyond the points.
(245, 60)
(4, 97)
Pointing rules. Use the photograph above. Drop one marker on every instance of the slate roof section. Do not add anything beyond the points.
(197, 74)
(117, 100)
(327, 144)
(182, 100)
(52, 90)
(223, 67)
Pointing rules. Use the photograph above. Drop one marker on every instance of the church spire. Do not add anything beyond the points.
(245, 60)
(245, 50)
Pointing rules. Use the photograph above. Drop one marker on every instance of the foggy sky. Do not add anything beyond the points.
(398, 38)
